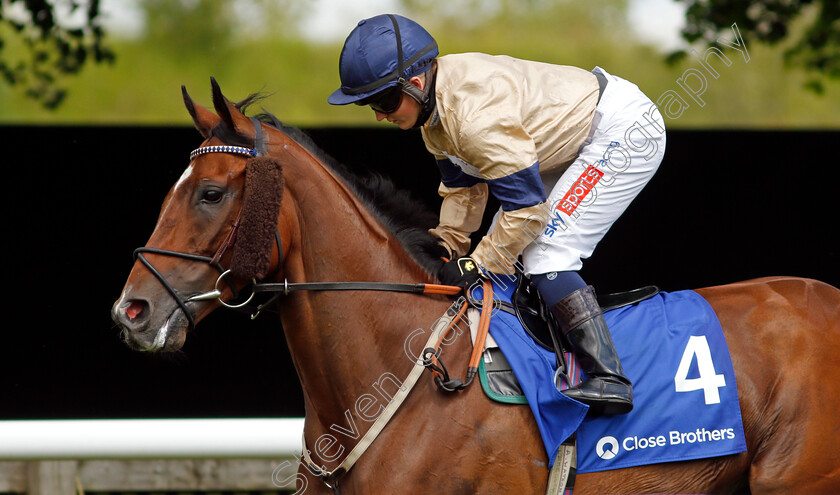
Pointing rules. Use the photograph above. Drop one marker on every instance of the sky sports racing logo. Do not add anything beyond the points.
(580, 189)
(609, 447)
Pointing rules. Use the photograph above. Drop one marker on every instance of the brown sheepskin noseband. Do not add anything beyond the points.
(258, 221)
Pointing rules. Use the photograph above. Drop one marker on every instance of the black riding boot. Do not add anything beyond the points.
(607, 391)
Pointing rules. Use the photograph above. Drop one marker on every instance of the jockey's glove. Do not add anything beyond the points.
(440, 251)
(461, 272)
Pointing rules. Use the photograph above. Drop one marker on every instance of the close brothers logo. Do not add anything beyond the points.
(608, 447)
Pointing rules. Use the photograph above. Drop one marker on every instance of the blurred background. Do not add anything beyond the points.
(94, 133)
(127, 64)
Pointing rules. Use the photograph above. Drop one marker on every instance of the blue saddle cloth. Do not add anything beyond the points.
(685, 397)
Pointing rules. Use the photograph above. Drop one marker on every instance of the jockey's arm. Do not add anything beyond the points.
(464, 199)
(512, 232)
(503, 154)
(461, 213)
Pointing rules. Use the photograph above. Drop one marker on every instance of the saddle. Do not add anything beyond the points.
(534, 315)
(496, 375)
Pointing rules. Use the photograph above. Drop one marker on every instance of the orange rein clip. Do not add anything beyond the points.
(439, 372)
(449, 290)
(483, 328)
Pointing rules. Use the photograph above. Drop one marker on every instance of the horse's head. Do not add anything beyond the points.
(219, 218)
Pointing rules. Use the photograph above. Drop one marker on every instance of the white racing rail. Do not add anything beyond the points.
(150, 438)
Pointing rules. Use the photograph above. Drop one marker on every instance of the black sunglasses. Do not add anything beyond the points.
(386, 101)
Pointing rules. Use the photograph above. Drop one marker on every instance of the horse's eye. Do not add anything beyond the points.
(212, 196)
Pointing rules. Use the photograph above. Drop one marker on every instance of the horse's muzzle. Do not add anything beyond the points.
(144, 330)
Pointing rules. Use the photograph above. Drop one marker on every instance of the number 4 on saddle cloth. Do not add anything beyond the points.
(672, 349)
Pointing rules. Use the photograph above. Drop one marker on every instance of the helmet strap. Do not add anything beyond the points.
(425, 97)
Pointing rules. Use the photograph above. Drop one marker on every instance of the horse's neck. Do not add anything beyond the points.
(337, 235)
(347, 343)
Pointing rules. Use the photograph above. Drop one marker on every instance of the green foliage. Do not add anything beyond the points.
(193, 27)
(143, 85)
(45, 50)
(190, 27)
(814, 46)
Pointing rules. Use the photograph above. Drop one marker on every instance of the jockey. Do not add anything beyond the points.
(564, 150)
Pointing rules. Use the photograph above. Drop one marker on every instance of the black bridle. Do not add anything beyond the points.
(284, 288)
(139, 253)
(278, 289)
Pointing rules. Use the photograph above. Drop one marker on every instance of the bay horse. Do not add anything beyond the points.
(349, 347)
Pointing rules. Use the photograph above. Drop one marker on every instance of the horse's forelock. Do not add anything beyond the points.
(230, 136)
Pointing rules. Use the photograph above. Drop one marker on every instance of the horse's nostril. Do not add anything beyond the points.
(134, 309)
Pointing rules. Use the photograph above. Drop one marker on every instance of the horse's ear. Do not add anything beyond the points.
(203, 119)
(258, 220)
(228, 111)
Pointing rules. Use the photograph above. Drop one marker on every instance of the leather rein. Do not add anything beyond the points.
(429, 359)
(279, 289)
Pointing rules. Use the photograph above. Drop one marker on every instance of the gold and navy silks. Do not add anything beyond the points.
(500, 123)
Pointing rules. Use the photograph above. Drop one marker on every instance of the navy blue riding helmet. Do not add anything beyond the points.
(382, 52)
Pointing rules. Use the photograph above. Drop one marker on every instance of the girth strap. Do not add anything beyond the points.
(562, 475)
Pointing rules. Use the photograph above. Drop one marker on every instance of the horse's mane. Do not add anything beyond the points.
(398, 211)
